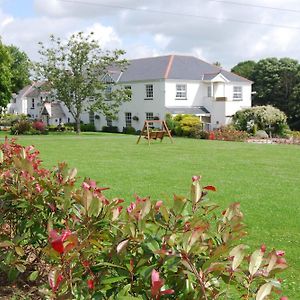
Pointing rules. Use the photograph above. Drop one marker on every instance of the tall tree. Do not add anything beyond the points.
(5, 75)
(19, 68)
(75, 70)
(245, 69)
(276, 83)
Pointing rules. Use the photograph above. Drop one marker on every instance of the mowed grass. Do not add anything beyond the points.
(264, 178)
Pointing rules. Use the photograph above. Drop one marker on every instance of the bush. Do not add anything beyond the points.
(90, 247)
(129, 130)
(39, 126)
(266, 118)
(10, 119)
(87, 127)
(21, 127)
(197, 132)
(112, 129)
(182, 125)
(227, 133)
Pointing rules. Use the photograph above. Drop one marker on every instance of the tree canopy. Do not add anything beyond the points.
(276, 82)
(14, 71)
(76, 69)
(20, 66)
(5, 75)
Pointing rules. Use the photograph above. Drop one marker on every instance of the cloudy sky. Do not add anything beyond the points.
(213, 30)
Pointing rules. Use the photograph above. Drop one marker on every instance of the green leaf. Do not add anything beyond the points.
(13, 274)
(113, 279)
(238, 254)
(179, 203)
(6, 244)
(264, 291)
(153, 245)
(94, 208)
(255, 261)
(164, 211)
(1, 157)
(19, 251)
(21, 268)
(33, 276)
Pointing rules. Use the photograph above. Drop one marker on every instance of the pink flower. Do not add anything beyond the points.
(284, 298)
(156, 285)
(85, 186)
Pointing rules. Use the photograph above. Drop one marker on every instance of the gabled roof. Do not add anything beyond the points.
(38, 88)
(173, 67)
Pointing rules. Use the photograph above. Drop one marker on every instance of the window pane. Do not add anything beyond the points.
(180, 90)
(128, 118)
(149, 90)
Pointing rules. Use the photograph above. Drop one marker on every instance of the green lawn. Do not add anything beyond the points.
(264, 178)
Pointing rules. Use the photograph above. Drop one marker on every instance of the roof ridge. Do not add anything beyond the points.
(169, 66)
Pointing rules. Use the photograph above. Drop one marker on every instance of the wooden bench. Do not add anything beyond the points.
(155, 135)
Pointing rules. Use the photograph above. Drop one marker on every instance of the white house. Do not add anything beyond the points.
(167, 84)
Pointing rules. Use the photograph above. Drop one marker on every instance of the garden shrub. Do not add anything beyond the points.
(182, 125)
(112, 129)
(10, 119)
(129, 130)
(90, 247)
(87, 127)
(266, 118)
(227, 133)
(21, 127)
(39, 126)
(197, 132)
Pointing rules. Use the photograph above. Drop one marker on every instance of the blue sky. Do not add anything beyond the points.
(213, 30)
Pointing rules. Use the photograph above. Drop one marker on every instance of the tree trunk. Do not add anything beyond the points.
(77, 124)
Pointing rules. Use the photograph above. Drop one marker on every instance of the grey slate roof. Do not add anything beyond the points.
(56, 110)
(173, 67)
(37, 88)
(194, 110)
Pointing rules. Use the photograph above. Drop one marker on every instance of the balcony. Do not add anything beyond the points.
(221, 98)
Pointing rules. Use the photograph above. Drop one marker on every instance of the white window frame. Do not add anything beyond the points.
(181, 92)
(237, 93)
(128, 119)
(149, 91)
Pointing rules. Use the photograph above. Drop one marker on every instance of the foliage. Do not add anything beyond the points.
(39, 126)
(5, 75)
(93, 247)
(87, 127)
(112, 129)
(129, 130)
(21, 127)
(74, 69)
(182, 125)
(197, 132)
(266, 118)
(10, 119)
(20, 66)
(245, 69)
(227, 133)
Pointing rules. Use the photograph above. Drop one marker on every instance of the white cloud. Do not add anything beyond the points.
(147, 33)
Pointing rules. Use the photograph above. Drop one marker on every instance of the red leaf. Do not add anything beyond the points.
(210, 188)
